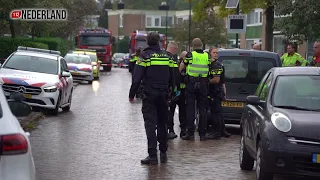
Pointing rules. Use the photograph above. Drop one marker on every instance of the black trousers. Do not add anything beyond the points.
(182, 112)
(197, 91)
(215, 119)
(155, 115)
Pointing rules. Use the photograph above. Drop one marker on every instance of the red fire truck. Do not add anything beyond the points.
(99, 39)
(138, 39)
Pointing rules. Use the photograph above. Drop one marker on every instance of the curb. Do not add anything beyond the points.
(27, 121)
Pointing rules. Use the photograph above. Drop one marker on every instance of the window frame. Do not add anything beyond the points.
(270, 76)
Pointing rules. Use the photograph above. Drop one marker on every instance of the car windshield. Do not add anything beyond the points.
(77, 59)
(32, 64)
(297, 91)
(119, 55)
(94, 40)
(143, 44)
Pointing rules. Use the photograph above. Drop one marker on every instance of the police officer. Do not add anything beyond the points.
(172, 52)
(217, 92)
(197, 63)
(182, 102)
(291, 58)
(133, 60)
(153, 68)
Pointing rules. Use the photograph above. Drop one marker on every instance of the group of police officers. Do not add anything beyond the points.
(194, 82)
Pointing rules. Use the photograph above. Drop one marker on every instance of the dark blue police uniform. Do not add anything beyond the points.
(153, 69)
(216, 94)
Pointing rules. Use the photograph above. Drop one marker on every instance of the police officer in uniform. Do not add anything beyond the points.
(133, 60)
(153, 68)
(217, 92)
(197, 63)
(172, 52)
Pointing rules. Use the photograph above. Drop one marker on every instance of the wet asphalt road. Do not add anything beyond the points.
(103, 138)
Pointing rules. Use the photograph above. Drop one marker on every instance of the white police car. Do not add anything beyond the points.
(41, 75)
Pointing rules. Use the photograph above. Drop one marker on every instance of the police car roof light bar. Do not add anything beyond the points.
(22, 48)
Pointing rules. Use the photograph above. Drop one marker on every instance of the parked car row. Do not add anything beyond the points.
(278, 110)
(121, 60)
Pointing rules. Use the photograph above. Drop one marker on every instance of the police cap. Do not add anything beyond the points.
(153, 38)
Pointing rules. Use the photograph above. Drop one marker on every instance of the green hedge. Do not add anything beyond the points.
(9, 45)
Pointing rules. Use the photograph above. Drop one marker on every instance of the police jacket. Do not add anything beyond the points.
(216, 70)
(133, 60)
(154, 70)
(175, 67)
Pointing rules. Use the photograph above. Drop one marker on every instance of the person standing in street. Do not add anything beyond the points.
(172, 51)
(133, 60)
(291, 58)
(316, 57)
(197, 63)
(217, 92)
(153, 69)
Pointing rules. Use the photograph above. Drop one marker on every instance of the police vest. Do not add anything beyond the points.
(134, 59)
(198, 64)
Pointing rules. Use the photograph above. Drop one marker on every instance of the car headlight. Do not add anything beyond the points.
(281, 122)
(51, 89)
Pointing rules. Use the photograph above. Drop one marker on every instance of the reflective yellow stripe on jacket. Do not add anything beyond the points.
(155, 61)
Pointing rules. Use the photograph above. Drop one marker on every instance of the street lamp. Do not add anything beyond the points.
(165, 7)
(120, 6)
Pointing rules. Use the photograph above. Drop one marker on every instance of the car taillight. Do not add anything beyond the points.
(13, 144)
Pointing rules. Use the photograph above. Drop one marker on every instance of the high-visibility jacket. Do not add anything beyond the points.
(198, 64)
(294, 60)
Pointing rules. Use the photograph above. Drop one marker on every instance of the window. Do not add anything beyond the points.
(264, 65)
(156, 22)
(265, 88)
(254, 17)
(180, 21)
(261, 84)
(78, 59)
(32, 64)
(149, 21)
(249, 44)
(64, 66)
(94, 40)
(305, 94)
(261, 16)
(236, 69)
(163, 21)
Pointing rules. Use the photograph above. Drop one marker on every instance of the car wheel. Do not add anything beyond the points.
(261, 173)
(245, 160)
(67, 108)
(55, 111)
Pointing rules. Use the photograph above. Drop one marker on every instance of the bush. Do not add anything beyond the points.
(9, 45)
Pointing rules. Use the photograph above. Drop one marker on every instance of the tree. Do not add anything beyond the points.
(123, 45)
(201, 10)
(103, 19)
(211, 30)
(304, 21)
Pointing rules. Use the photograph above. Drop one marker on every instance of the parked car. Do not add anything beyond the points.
(41, 75)
(280, 124)
(94, 58)
(81, 67)
(125, 62)
(16, 160)
(117, 58)
(244, 70)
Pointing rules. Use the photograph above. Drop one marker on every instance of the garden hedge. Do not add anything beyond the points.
(9, 45)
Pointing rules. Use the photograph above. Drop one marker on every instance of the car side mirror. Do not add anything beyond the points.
(254, 100)
(65, 74)
(19, 108)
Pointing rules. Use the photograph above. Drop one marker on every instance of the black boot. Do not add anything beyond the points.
(183, 133)
(225, 134)
(203, 138)
(213, 136)
(172, 135)
(188, 137)
(163, 157)
(149, 160)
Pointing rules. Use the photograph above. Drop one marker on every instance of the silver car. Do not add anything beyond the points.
(80, 67)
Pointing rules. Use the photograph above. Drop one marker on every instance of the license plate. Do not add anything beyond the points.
(232, 104)
(316, 158)
(75, 73)
(28, 96)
